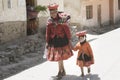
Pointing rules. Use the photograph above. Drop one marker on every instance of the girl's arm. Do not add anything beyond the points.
(76, 47)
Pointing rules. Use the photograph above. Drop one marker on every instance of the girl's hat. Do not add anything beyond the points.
(81, 33)
(53, 6)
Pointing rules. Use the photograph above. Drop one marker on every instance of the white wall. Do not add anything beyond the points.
(16, 13)
(77, 9)
(1, 6)
(73, 8)
(105, 11)
(116, 11)
(88, 22)
(94, 21)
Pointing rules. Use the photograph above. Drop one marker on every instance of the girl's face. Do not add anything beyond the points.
(53, 13)
(81, 38)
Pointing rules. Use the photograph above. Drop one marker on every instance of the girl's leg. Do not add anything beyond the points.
(89, 69)
(82, 71)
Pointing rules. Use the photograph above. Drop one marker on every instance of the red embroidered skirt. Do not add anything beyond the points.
(59, 53)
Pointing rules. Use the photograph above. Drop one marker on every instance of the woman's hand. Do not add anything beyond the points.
(70, 44)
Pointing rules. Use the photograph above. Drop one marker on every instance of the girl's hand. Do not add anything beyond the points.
(47, 45)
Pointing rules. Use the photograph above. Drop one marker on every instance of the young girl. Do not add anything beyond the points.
(84, 49)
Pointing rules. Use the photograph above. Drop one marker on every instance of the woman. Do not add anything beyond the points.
(58, 38)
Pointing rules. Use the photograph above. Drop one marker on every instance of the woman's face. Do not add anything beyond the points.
(53, 13)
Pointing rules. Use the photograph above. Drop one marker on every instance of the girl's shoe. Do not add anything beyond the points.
(88, 70)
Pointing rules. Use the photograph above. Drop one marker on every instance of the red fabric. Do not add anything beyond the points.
(52, 6)
(86, 48)
(60, 30)
(81, 33)
(61, 53)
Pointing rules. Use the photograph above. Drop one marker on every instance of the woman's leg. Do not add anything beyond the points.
(82, 71)
(61, 68)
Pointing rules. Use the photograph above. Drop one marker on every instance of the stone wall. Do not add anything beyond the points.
(20, 49)
(12, 30)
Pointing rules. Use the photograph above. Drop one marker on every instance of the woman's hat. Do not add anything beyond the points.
(53, 6)
(81, 33)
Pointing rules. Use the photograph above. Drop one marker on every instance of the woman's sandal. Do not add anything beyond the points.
(61, 74)
(82, 75)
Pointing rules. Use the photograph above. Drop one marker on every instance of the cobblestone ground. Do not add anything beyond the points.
(21, 54)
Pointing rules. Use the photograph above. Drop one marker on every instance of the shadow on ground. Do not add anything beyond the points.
(86, 77)
(92, 39)
(74, 77)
